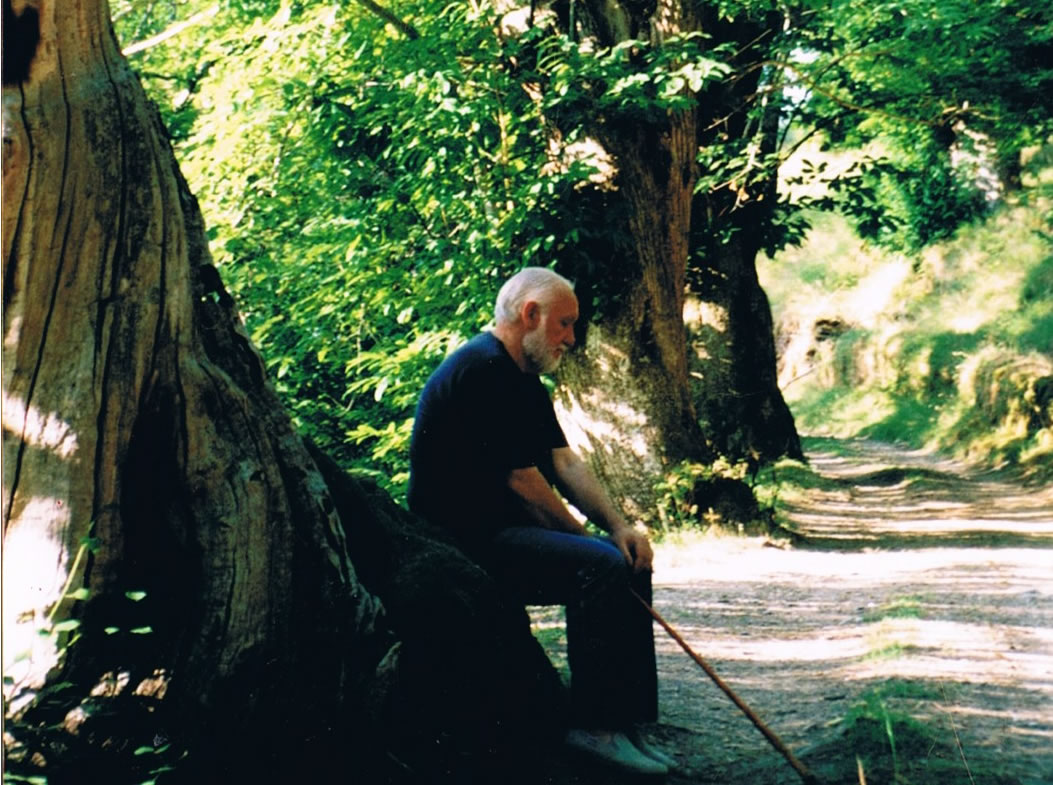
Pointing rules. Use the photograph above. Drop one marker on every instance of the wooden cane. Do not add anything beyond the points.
(806, 775)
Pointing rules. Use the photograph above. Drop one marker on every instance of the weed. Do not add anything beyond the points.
(61, 726)
(696, 495)
(882, 737)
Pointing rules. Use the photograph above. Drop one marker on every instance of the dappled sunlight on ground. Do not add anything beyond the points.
(917, 585)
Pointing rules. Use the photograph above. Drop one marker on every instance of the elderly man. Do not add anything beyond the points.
(486, 456)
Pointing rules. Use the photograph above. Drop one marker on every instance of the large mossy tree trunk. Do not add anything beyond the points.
(626, 400)
(646, 393)
(163, 520)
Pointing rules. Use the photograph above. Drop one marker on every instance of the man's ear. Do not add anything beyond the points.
(531, 314)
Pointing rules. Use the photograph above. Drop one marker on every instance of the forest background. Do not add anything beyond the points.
(367, 176)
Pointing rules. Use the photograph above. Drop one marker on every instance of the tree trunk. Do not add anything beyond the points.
(731, 334)
(729, 318)
(625, 401)
(633, 402)
(158, 505)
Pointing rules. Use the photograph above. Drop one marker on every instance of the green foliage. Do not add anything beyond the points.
(905, 200)
(789, 481)
(365, 194)
(40, 735)
(952, 90)
(632, 80)
(366, 190)
(919, 199)
(950, 348)
(686, 497)
(895, 66)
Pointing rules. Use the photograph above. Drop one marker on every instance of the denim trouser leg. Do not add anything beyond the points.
(610, 641)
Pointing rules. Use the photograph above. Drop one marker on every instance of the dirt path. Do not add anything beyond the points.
(920, 604)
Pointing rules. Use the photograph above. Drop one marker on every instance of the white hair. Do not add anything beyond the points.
(535, 283)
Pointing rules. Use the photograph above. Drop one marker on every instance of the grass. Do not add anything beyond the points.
(883, 738)
(896, 729)
(908, 607)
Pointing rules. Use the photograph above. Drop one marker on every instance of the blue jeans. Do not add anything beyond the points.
(610, 640)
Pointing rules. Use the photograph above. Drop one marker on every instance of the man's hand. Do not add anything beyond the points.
(635, 547)
(585, 492)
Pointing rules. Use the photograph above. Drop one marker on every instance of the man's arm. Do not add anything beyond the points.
(579, 484)
(541, 503)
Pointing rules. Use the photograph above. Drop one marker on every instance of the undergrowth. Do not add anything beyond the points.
(703, 496)
(949, 349)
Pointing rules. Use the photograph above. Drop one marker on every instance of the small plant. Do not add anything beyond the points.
(882, 738)
(696, 495)
(60, 726)
(908, 607)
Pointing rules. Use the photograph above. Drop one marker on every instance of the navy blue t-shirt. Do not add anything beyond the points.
(478, 418)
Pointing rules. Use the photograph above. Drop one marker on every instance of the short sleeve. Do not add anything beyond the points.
(510, 417)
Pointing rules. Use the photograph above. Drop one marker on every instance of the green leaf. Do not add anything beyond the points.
(135, 596)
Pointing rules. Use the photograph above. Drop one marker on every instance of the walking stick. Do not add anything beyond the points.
(806, 775)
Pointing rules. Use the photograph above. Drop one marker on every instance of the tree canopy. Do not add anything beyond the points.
(369, 176)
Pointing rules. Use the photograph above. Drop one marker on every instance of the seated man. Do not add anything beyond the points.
(485, 454)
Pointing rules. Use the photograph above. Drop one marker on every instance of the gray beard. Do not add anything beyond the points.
(539, 357)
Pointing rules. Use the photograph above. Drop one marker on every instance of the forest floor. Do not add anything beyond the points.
(907, 631)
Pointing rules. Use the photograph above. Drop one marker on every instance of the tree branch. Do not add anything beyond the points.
(845, 103)
(172, 31)
(405, 28)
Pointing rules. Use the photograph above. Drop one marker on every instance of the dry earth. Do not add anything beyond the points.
(918, 603)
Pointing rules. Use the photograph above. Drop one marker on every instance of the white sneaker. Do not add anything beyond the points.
(614, 748)
(652, 752)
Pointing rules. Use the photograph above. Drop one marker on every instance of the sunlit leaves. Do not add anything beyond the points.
(630, 78)
(365, 193)
(982, 62)
(927, 81)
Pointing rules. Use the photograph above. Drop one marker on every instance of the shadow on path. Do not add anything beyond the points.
(911, 626)
(880, 496)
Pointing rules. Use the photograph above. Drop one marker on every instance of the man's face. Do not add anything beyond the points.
(544, 345)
